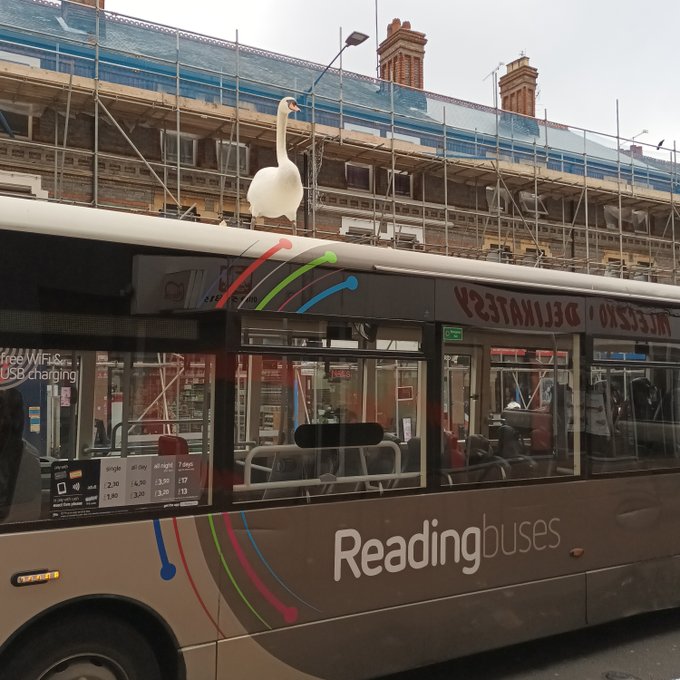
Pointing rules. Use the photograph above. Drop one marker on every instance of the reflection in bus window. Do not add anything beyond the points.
(633, 406)
(108, 431)
(515, 423)
(277, 394)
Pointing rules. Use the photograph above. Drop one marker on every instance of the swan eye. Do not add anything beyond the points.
(292, 105)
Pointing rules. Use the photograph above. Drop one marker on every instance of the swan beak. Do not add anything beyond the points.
(293, 106)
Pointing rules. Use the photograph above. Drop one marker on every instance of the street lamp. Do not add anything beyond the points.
(639, 134)
(352, 40)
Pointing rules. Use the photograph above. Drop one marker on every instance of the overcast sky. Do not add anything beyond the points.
(588, 53)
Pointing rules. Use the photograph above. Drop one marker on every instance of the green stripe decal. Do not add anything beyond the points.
(328, 257)
(229, 574)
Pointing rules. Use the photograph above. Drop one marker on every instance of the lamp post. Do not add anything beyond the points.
(352, 40)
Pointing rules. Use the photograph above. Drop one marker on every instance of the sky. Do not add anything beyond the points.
(590, 54)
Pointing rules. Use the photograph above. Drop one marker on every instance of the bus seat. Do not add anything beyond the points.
(413, 454)
(172, 445)
(510, 443)
(454, 457)
(477, 449)
(644, 398)
(287, 468)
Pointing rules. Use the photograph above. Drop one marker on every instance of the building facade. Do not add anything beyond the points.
(104, 110)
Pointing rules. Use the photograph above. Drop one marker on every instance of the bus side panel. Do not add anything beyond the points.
(120, 561)
(200, 661)
(398, 638)
(633, 589)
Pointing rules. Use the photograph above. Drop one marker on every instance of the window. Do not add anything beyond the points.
(21, 184)
(517, 422)
(363, 231)
(615, 268)
(229, 219)
(280, 396)
(229, 153)
(533, 257)
(359, 176)
(403, 185)
(498, 200)
(19, 123)
(532, 204)
(187, 145)
(408, 238)
(105, 432)
(497, 253)
(633, 405)
(631, 220)
(187, 213)
(643, 271)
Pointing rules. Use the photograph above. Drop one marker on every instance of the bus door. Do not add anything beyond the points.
(457, 405)
(508, 407)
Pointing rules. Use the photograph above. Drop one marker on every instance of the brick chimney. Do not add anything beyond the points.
(401, 55)
(518, 88)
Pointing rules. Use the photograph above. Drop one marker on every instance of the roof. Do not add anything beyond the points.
(50, 30)
(42, 217)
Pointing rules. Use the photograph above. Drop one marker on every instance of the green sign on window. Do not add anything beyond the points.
(453, 333)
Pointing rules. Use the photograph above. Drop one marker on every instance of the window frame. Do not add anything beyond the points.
(167, 154)
(214, 335)
(221, 147)
(355, 187)
(393, 184)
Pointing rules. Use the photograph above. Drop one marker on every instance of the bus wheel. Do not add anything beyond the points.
(83, 648)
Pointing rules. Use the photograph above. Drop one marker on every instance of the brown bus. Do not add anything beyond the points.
(229, 453)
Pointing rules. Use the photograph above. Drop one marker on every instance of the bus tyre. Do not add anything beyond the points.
(84, 647)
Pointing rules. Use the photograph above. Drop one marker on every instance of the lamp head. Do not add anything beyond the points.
(355, 38)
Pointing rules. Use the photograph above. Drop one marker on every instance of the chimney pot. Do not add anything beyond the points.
(518, 87)
(401, 54)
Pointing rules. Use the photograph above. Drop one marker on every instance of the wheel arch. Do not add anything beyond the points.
(137, 614)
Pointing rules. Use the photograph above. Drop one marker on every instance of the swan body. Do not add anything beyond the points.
(277, 191)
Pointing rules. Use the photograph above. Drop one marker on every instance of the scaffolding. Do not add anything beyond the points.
(169, 126)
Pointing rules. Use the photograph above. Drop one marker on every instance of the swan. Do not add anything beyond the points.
(277, 191)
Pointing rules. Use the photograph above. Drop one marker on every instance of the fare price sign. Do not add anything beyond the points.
(91, 486)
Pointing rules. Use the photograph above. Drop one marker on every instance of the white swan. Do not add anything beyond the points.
(277, 191)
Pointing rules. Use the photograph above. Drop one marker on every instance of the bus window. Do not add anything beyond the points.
(103, 431)
(508, 412)
(633, 406)
(277, 394)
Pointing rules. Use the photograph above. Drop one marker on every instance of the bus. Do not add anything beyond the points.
(236, 453)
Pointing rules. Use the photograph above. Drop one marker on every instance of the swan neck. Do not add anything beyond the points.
(281, 124)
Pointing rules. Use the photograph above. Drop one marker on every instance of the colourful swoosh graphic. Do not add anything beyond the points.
(191, 580)
(225, 566)
(328, 257)
(350, 283)
(309, 285)
(266, 564)
(283, 243)
(213, 286)
(168, 569)
(289, 614)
